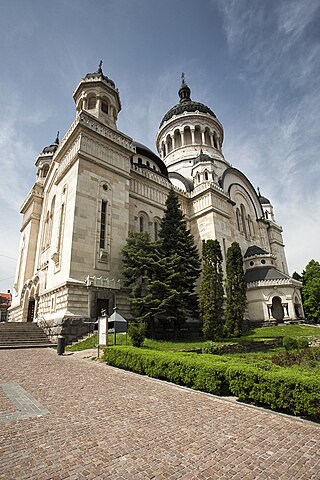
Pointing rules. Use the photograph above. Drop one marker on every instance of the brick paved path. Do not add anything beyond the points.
(104, 423)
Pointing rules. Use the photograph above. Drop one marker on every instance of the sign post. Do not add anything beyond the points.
(102, 333)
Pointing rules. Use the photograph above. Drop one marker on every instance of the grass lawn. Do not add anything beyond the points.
(163, 345)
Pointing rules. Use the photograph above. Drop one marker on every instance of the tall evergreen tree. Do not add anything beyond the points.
(148, 274)
(311, 290)
(211, 290)
(235, 290)
(177, 242)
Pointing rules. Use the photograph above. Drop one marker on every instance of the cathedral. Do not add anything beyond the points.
(97, 184)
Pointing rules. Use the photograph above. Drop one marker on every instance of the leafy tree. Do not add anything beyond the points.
(311, 289)
(177, 243)
(236, 288)
(211, 290)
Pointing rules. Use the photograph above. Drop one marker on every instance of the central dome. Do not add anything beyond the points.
(186, 105)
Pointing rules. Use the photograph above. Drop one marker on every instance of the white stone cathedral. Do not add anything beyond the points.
(97, 184)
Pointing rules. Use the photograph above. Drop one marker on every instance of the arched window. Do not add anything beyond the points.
(103, 224)
(243, 218)
(207, 137)
(215, 140)
(45, 170)
(50, 222)
(139, 161)
(156, 224)
(198, 178)
(197, 135)
(187, 136)
(104, 106)
(91, 102)
(206, 176)
(169, 143)
(148, 164)
(141, 224)
(249, 225)
(238, 220)
(163, 150)
(177, 138)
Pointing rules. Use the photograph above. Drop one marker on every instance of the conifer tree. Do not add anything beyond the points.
(211, 290)
(177, 242)
(235, 291)
(311, 289)
(148, 274)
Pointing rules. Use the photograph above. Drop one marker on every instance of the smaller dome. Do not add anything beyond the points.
(143, 150)
(53, 147)
(263, 200)
(255, 250)
(100, 73)
(203, 157)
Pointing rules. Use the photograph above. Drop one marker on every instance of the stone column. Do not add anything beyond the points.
(182, 137)
(98, 104)
(192, 136)
(203, 137)
(173, 142)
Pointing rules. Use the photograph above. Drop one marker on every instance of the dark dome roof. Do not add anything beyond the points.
(100, 73)
(143, 150)
(254, 250)
(264, 200)
(186, 104)
(203, 157)
(53, 147)
(189, 106)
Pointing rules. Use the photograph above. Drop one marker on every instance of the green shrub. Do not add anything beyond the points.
(302, 342)
(289, 343)
(292, 392)
(137, 333)
(211, 347)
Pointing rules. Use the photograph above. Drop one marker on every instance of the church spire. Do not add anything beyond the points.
(184, 91)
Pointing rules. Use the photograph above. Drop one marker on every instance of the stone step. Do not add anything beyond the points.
(22, 335)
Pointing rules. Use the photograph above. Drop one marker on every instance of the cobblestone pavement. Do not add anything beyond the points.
(104, 423)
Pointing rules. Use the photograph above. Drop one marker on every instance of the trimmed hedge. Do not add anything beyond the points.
(275, 388)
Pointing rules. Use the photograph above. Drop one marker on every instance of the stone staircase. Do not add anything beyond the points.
(22, 335)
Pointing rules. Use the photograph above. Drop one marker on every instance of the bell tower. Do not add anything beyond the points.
(97, 95)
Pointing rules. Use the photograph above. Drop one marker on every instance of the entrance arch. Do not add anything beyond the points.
(31, 306)
(277, 309)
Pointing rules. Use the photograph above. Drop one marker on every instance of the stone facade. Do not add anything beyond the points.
(97, 184)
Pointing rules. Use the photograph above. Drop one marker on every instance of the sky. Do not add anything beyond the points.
(255, 63)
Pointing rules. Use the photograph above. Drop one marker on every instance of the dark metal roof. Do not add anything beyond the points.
(264, 273)
(255, 250)
(143, 150)
(264, 200)
(188, 106)
(187, 183)
(101, 74)
(53, 147)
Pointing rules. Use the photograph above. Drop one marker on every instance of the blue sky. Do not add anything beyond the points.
(256, 63)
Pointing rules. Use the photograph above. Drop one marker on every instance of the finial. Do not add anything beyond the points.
(57, 138)
(259, 191)
(100, 67)
(184, 91)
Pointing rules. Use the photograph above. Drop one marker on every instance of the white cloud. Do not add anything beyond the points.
(17, 156)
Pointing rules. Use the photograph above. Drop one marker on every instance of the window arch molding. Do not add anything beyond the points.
(143, 222)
